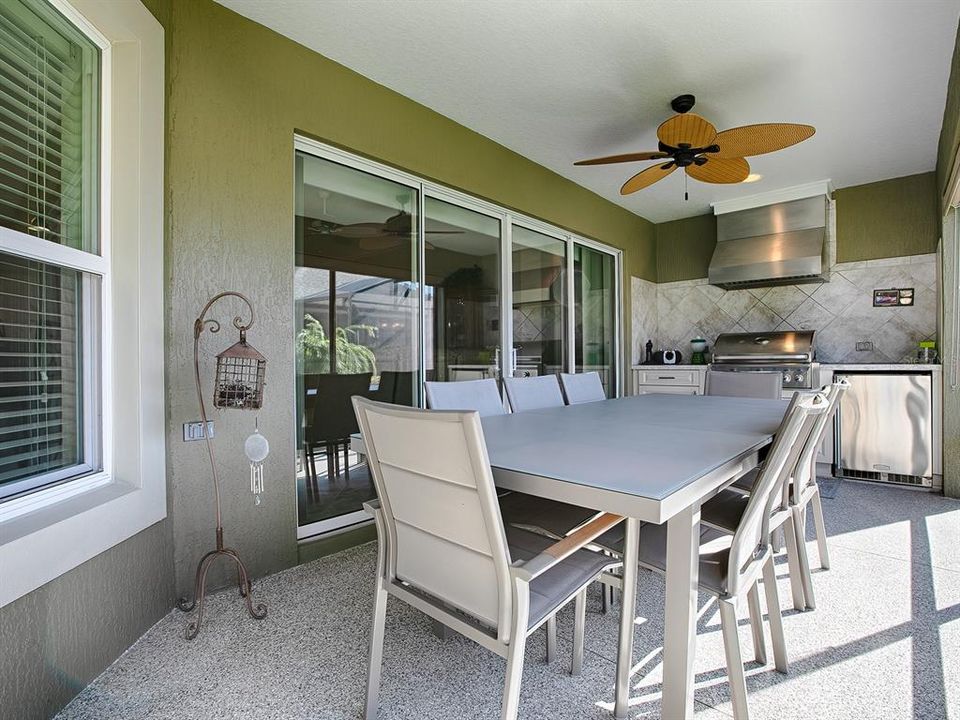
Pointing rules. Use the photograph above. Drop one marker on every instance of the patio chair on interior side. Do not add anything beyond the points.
(443, 547)
(728, 383)
(533, 393)
(582, 387)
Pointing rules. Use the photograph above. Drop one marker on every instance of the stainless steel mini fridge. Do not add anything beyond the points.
(885, 428)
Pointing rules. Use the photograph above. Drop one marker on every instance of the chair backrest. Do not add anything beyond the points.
(744, 384)
(582, 387)
(480, 395)
(533, 393)
(752, 537)
(806, 470)
(444, 532)
(333, 416)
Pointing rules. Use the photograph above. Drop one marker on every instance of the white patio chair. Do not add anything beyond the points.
(582, 387)
(731, 566)
(547, 517)
(744, 384)
(480, 395)
(805, 491)
(443, 548)
(533, 393)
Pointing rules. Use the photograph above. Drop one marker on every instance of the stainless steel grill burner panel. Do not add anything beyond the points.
(788, 352)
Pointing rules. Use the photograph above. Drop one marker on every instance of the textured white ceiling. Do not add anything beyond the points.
(562, 80)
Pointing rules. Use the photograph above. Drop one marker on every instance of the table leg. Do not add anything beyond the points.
(680, 628)
(628, 611)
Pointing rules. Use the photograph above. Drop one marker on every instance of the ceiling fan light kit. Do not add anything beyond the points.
(692, 142)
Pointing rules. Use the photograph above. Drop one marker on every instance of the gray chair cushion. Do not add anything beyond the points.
(714, 555)
(746, 481)
(549, 516)
(564, 579)
(725, 510)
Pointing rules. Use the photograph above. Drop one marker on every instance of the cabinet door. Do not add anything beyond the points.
(668, 389)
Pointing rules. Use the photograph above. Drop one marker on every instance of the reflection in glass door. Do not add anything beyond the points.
(357, 311)
(595, 314)
(539, 279)
(462, 291)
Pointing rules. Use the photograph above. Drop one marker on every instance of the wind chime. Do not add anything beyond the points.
(238, 385)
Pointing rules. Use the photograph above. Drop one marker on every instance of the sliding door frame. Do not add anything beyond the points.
(507, 218)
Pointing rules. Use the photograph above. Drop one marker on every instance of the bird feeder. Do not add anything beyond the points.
(240, 375)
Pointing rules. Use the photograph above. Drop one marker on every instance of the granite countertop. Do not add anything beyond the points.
(681, 366)
(933, 367)
(879, 367)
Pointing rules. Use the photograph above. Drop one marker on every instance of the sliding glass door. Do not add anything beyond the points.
(461, 293)
(539, 292)
(595, 314)
(398, 281)
(357, 313)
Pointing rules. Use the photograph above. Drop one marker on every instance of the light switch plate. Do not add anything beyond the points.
(194, 430)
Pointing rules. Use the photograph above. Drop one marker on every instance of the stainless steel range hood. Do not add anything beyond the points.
(781, 244)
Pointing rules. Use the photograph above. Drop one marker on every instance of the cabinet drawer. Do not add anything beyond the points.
(668, 389)
(668, 377)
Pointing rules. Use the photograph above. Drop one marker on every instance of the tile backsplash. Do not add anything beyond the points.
(841, 311)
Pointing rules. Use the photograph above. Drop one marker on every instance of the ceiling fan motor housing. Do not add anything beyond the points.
(683, 103)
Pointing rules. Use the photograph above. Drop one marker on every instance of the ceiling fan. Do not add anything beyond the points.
(693, 143)
(389, 233)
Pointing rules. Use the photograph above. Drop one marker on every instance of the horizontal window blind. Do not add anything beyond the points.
(40, 368)
(48, 125)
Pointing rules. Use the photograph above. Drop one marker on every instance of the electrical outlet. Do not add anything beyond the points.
(194, 430)
(864, 346)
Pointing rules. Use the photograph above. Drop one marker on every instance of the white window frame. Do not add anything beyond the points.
(53, 530)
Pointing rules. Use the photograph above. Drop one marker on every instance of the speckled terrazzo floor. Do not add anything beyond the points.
(883, 643)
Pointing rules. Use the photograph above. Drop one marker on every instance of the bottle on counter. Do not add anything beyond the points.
(648, 358)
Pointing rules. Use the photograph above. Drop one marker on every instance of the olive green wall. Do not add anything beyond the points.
(890, 218)
(237, 93)
(949, 142)
(684, 247)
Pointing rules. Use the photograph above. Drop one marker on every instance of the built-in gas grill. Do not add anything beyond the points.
(790, 353)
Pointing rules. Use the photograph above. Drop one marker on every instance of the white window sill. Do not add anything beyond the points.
(70, 532)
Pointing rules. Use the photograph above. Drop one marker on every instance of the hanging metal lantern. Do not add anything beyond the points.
(240, 375)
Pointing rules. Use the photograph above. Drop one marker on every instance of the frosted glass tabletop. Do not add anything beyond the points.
(649, 446)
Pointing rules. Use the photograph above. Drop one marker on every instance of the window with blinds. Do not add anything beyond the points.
(49, 186)
(48, 125)
(40, 344)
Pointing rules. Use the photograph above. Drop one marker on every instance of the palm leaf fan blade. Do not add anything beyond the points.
(689, 130)
(647, 178)
(749, 140)
(626, 157)
(720, 171)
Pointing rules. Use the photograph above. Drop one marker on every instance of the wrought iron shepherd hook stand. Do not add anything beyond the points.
(239, 384)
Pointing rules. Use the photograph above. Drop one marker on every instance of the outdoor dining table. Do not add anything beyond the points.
(651, 458)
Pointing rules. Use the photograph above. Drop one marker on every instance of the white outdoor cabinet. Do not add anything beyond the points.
(672, 379)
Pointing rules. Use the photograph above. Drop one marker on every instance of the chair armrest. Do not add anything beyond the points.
(566, 547)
